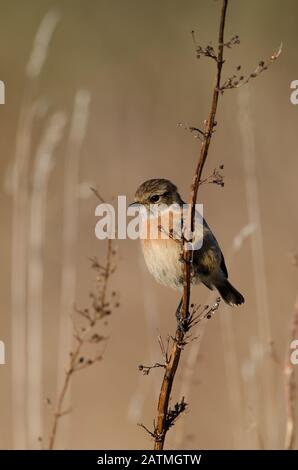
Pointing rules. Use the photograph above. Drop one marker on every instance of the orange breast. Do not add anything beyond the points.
(162, 251)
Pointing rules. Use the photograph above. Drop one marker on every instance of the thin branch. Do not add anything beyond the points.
(101, 307)
(187, 319)
(238, 80)
(147, 430)
(163, 404)
(146, 369)
(216, 177)
(171, 417)
(95, 191)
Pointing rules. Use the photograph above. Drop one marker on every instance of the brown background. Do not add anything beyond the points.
(137, 59)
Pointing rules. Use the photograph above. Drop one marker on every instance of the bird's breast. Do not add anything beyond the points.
(163, 261)
(161, 243)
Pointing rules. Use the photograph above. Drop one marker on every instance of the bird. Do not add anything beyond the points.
(161, 206)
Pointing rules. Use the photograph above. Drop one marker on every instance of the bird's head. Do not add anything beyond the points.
(157, 192)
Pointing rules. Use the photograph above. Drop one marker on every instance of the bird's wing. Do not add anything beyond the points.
(223, 265)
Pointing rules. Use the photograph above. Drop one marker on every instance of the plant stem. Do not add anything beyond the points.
(174, 357)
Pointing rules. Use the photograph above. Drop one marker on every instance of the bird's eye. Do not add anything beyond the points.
(154, 198)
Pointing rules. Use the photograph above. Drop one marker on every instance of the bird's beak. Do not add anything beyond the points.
(135, 205)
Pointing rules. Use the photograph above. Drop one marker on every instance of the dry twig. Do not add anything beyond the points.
(164, 412)
(238, 80)
(85, 326)
(198, 313)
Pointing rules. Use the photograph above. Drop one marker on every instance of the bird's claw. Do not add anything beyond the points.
(180, 321)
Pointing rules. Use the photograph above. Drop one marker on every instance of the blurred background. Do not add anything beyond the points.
(94, 92)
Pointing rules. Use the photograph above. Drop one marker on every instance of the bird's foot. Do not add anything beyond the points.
(181, 321)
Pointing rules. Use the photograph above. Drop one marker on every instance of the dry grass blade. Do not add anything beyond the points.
(78, 128)
(44, 164)
(290, 386)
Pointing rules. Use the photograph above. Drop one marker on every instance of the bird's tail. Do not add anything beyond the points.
(229, 294)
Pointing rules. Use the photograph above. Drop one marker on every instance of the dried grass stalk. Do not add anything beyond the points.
(77, 133)
(44, 164)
